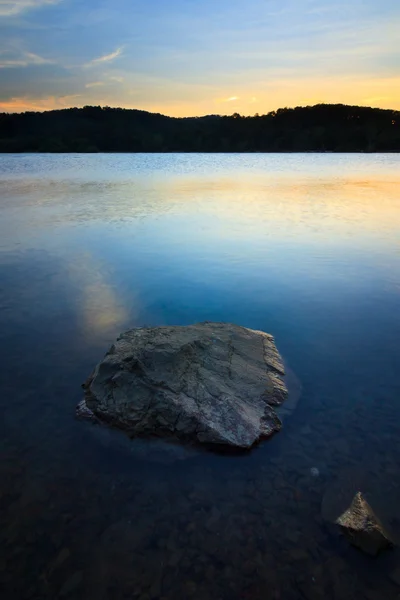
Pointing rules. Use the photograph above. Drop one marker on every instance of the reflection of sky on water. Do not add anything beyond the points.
(102, 311)
(293, 201)
(286, 224)
(305, 247)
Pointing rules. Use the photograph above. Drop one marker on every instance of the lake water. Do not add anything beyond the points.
(306, 247)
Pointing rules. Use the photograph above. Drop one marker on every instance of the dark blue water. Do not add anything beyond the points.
(306, 247)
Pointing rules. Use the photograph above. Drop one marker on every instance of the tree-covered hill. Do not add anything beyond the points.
(320, 128)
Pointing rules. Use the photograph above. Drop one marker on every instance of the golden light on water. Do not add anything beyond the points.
(348, 205)
(101, 311)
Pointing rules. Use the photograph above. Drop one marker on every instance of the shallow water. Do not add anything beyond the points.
(306, 247)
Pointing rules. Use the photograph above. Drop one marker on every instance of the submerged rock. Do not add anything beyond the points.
(363, 528)
(209, 383)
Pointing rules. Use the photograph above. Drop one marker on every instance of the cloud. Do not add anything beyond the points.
(229, 99)
(10, 8)
(94, 84)
(108, 81)
(25, 60)
(105, 59)
(27, 103)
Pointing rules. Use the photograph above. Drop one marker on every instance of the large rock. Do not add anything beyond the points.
(210, 383)
(363, 528)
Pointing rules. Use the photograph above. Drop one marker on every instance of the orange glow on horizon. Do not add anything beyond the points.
(379, 93)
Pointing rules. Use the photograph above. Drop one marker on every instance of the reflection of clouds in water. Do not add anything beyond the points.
(63, 202)
(102, 311)
(290, 202)
(293, 204)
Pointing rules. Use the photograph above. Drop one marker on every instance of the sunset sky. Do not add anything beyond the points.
(195, 57)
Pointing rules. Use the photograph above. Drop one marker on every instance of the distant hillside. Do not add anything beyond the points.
(320, 128)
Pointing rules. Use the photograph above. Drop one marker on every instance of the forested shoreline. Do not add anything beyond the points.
(320, 128)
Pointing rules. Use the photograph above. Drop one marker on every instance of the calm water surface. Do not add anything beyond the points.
(306, 247)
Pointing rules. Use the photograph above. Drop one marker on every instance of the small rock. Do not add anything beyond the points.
(84, 412)
(363, 527)
(314, 472)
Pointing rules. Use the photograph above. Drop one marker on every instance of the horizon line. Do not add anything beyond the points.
(105, 107)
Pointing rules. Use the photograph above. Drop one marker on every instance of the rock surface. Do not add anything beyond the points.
(209, 383)
(363, 528)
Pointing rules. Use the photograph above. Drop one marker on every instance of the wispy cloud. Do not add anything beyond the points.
(26, 59)
(108, 80)
(27, 103)
(106, 58)
(10, 8)
(93, 84)
(229, 99)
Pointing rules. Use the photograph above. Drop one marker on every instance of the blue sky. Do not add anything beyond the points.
(188, 57)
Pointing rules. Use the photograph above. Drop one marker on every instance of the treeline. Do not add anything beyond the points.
(320, 128)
